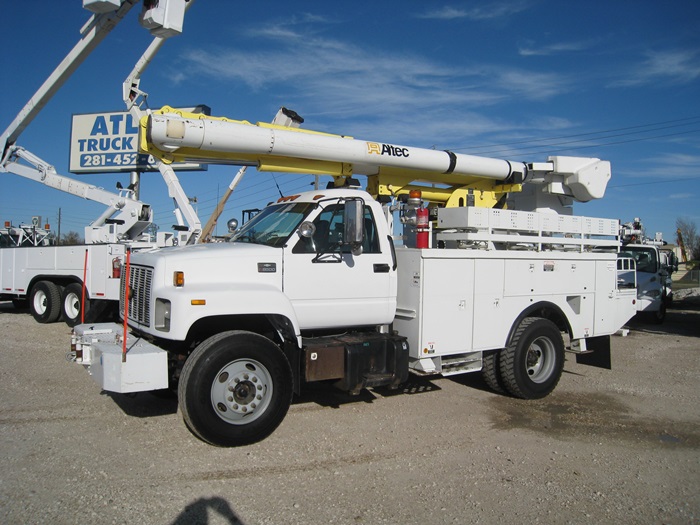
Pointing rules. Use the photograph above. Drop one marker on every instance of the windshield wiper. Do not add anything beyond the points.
(249, 237)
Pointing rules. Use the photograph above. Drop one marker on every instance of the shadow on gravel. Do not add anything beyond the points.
(144, 404)
(6, 307)
(473, 380)
(326, 395)
(683, 318)
(197, 513)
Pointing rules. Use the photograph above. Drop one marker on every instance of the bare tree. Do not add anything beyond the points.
(71, 238)
(688, 231)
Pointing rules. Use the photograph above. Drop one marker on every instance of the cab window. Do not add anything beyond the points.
(329, 233)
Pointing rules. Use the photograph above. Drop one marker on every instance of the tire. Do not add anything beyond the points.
(235, 389)
(532, 364)
(658, 316)
(71, 304)
(45, 302)
(491, 373)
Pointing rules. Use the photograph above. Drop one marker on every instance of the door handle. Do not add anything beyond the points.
(381, 268)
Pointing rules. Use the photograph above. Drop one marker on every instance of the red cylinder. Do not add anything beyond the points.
(422, 228)
(116, 268)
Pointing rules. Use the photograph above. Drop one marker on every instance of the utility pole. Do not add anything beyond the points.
(58, 240)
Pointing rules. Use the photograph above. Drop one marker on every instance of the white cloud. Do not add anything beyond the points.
(680, 160)
(484, 12)
(346, 73)
(532, 85)
(670, 67)
(680, 196)
(668, 166)
(557, 48)
(403, 97)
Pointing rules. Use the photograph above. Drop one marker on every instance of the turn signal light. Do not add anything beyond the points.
(179, 279)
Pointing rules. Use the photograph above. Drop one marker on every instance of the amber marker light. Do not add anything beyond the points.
(198, 302)
(178, 279)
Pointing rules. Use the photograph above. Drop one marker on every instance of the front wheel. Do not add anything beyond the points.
(235, 389)
(659, 315)
(532, 364)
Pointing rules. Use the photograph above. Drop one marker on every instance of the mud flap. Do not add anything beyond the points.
(598, 353)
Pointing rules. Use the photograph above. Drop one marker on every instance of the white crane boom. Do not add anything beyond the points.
(174, 135)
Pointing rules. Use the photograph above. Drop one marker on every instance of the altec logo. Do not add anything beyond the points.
(374, 148)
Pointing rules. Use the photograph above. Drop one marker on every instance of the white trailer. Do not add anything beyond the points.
(316, 287)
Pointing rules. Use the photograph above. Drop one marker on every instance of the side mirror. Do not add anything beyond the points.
(307, 229)
(353, 234)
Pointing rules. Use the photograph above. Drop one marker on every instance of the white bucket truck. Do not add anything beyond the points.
(316, 288)
(654, 268)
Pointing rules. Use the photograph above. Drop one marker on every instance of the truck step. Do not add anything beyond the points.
(372, 380)
(461, 364)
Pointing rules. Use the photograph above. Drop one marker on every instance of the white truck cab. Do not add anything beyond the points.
(274, 265)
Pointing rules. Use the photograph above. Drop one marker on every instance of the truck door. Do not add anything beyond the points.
(329, 286)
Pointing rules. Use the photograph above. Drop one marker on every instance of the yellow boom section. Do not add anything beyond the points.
(173, 135)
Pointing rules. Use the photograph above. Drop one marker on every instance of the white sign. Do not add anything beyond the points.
(108, 142)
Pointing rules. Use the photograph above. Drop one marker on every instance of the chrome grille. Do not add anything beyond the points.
(140, 283)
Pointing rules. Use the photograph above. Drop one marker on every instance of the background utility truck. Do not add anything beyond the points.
(654, 268)
(315, 288)
(68, 282)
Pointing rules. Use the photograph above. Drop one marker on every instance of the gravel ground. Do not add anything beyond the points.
(619, 446)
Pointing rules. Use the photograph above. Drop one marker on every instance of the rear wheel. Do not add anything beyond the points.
(532, 364)
(491, 373)
(71, 304)
(45, 302)
(235, 389)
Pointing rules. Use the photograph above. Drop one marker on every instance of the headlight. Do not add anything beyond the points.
(162, 319)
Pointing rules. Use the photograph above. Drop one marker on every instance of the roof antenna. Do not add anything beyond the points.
(278, 186)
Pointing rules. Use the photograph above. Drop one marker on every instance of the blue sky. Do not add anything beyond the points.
(516, 79)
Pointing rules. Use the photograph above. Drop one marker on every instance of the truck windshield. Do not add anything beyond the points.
(645, 258)
(274, 225)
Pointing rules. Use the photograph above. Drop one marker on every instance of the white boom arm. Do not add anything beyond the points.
(172, 135)
(124, 219)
